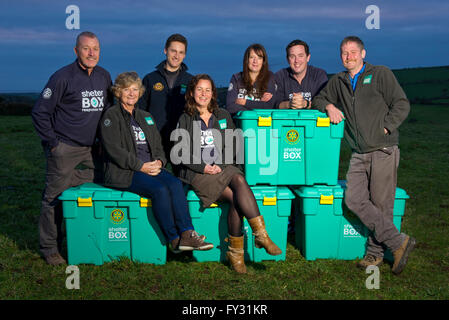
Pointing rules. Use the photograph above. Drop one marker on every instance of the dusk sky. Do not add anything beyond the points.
(35, 42)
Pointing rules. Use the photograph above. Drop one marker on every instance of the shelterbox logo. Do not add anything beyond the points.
(92, 100)
(350, 232)
(119, 233)
(117, 216)
(292, 136)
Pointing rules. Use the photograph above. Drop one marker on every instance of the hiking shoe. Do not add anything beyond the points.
(191, 240)
(55, 259)
(401, 255)
(369, 260)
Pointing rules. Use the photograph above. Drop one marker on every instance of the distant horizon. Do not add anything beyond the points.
(223, 87)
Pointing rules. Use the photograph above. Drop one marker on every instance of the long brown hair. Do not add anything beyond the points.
(264, 74)
(190, 107)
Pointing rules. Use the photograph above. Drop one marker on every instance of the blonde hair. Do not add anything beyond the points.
(125, 80)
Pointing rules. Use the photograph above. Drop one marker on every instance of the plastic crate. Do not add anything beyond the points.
(104, 224)
(326, 229)
(275, 206)
(290, 147)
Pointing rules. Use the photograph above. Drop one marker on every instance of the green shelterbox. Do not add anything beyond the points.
(290, 147)
(104, 224)
(326, 229)
(274, 205)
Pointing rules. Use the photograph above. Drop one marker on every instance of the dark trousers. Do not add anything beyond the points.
(370, 194)
(168, 200)
(61, 174)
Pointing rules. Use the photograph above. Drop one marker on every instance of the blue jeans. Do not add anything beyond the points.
(168, 200)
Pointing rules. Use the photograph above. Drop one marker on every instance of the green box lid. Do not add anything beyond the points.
(260, 192)
(98, 193)
(286, 114)
(317, 191)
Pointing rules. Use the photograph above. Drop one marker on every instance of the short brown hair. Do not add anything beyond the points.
(298, 43)
(176, 37)
(125, 80)
(190, 100)
(87, 34)
(353, 39)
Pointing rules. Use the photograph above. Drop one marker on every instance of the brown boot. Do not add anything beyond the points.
(401, 255)
(262, 240)
(370, 260)
(235, 254)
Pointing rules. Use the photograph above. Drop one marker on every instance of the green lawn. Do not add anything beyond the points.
(423, 174)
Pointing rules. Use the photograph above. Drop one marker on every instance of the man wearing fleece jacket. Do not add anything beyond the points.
(66, 117)
(374, 105)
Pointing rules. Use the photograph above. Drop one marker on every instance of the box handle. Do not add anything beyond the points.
(269, 201)
(323, 122)
(264, 122)
(144, 202)
(213, 205)
(84, 202)
(327, 199)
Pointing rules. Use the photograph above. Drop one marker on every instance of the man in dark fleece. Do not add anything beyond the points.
(165, 89)
(374, 106)
(300, 82)
(66, 118)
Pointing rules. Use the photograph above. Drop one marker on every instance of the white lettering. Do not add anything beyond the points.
(372, 21)
(73, 20)
(373, 281)
(73, 280)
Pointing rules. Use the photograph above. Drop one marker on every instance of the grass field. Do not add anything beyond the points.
(422, 173)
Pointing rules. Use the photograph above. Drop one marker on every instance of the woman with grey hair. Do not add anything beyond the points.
(135, 162)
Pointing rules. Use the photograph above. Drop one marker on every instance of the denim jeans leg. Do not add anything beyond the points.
(150, 187)
(181, 212)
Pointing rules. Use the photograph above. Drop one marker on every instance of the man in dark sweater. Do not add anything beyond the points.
(66, 118)
(165, 89)
(300, 82)
(373, 105)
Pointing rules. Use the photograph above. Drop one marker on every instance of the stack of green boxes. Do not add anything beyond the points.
(274, 204)
(301, 149)
(284, 151)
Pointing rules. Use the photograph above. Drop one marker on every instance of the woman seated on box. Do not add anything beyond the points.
(254, 87)
(135, 160)
(204, 124)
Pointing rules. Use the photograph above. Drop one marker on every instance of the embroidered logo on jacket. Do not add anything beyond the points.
(158, 86)
(47, 93)
(223, 123)
(367, 79)
(149, 121)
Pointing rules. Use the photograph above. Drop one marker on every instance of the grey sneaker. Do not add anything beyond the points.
(191, 240)
(55, 259)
